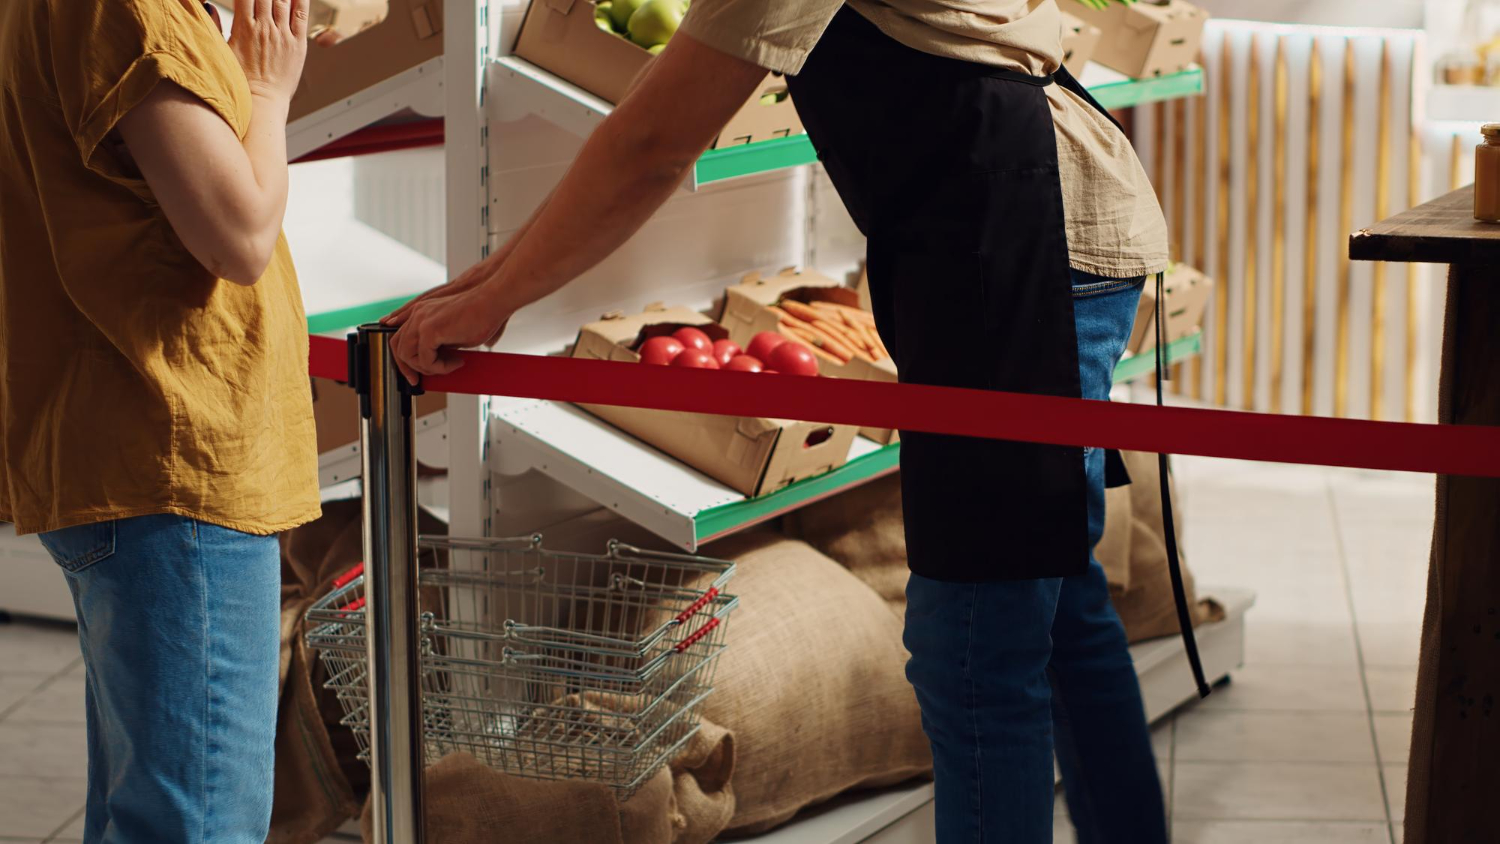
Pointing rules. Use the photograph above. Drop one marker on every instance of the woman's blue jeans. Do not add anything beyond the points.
(179, 622)
(1008, 672)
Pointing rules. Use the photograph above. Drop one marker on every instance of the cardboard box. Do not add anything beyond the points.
(750, 454)
(336, 412)
(345, 18)
(561, 36)
(1187, 292)
(1148, 38)
(409, 33)
(1080, 41)
(746, 314)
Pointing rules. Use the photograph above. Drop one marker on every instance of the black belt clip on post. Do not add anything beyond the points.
(392, 614)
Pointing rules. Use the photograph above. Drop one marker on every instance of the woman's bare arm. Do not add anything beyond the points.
(226, 198)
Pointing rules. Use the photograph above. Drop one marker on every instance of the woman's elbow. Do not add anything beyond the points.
(242, 260)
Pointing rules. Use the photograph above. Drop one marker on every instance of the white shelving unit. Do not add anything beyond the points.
(418, 91)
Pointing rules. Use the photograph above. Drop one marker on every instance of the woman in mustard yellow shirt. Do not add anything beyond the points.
(155, 421)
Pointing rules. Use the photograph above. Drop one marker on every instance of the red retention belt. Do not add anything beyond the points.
(1399, 446)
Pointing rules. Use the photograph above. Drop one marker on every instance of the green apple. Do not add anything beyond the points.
(655, 21)
(601, 16)
(655, 49)
(620, 12)
(768, 100)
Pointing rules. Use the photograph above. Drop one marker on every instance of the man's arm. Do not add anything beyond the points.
(661, 128)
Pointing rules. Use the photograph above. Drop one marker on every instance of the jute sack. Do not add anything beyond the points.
(812, 684)
(862, 530)
(1146, 606)
(688, 802)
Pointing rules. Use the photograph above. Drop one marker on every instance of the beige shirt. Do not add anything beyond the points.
(1115, 226)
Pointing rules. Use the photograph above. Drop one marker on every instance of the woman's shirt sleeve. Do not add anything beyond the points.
(109, 55)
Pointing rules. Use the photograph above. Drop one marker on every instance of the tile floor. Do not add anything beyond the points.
(1307, 744)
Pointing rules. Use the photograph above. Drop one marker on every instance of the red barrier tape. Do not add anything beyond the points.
(1399, 446)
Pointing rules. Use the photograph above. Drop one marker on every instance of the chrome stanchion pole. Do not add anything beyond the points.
(390, 546)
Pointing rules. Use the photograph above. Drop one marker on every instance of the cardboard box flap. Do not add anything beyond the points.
(616, 337)
(407, 37)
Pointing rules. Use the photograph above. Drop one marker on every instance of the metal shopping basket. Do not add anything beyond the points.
(543, 664)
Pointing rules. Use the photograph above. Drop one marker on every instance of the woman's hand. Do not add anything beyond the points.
(269, 37)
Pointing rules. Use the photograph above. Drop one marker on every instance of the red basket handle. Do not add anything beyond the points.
(697, 635)
(344, 579)
(355, 605)
(694, 607)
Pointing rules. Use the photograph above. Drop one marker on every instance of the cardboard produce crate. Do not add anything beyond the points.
(753, 455)
(1187, 292)
(561, 36)
(1080, 41)
(397, 35)
(1147, 38)
(747, 313)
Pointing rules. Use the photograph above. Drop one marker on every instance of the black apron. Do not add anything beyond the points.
(949, 168)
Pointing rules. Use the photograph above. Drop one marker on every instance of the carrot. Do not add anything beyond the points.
(822, 342)
(800, 310)
(816, 343)
(838, 333)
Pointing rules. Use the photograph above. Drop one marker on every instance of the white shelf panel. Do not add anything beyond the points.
(349, 272)
(418, 90)
(598, 460)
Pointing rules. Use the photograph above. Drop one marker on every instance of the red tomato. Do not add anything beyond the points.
(694, 339)
(660, 350)
(724, 350)
(695, 359)
(793, 358)
(761, 344)
(744, 363)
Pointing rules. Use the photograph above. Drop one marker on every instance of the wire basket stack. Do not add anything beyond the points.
(546, 665)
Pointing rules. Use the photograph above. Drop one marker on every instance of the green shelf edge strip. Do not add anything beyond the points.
(724, 518)
(717, 165)
(1131, 92)
(350, 317)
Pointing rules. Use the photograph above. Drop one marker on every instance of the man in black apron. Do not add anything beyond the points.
(1010, 229)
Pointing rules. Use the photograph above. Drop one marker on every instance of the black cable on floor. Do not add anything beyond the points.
(1169, 525)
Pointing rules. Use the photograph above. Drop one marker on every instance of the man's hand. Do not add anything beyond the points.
(433, 328)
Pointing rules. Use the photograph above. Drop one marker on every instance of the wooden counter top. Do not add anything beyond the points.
(1442, 231)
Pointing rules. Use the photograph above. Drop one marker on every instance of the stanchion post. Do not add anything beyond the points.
(390, 547)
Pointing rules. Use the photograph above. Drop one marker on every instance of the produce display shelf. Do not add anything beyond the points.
(1144, 364)
(418, 90)
(672, 499)
(527, 89)
(1115, 90)
(904, 814)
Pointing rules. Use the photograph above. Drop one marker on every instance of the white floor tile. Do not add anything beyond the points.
(1062, 830)
(1280, 642)
(1279, 832)
(1276, 791)
(1290, 688)
(1395, 791)
(1390, 642)
(14, 687)
(1209, 736)
(1161, 739)
(33, 807)
(1393, 737)
(59, 702)
(1393, 688)
(43, 750)
(27, 648)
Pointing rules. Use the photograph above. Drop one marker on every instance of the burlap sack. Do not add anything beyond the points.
(1113, 550)
(688, 802)
(1146, 606)
(862, 530)
(812, 684)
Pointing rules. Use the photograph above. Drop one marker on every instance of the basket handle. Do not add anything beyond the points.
(696, 606)
(344, 579)
(697, 635)
(355, 605)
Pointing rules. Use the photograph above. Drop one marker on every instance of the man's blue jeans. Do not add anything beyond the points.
(1006, 672)
(179, 623)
